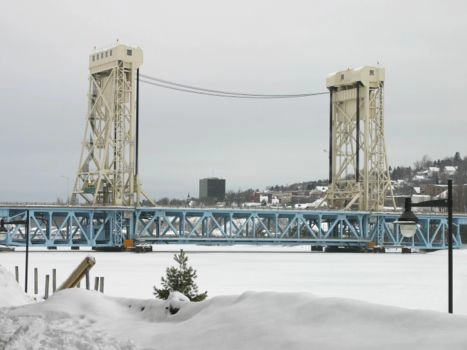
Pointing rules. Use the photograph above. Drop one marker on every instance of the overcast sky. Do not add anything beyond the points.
(258, 46)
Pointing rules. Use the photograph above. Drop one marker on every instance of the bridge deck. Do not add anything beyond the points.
(54, 226)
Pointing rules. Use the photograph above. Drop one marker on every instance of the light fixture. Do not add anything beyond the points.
(407, 223)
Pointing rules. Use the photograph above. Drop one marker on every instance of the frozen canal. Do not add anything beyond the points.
(417, 281)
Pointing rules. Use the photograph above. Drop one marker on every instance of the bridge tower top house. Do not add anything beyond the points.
(358, 170)
(108, 168)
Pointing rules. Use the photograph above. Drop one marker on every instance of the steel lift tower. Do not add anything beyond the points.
(358, 171)
(108, 168)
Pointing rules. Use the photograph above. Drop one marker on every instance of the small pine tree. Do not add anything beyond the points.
(180, 279)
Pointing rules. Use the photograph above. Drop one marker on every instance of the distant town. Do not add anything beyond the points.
(426, 179)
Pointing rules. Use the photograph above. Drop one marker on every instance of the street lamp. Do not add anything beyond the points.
(407, 223)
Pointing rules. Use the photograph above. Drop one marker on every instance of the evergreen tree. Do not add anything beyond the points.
(180, 279)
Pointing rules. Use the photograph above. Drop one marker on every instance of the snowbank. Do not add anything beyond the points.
(11, 293)
(80, 319)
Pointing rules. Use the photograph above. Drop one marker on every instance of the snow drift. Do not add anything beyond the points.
(80, 319)
(11, 293)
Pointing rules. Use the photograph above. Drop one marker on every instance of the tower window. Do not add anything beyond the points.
(129, 52)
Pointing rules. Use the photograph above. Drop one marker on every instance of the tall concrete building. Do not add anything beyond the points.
(212, 189)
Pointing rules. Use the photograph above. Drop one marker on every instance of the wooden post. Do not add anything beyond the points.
(47, 277)
(88, 282)
(36, 281)
(96, 283)
(78, 273)
(101, 284)
(54, 280)
(17, 273)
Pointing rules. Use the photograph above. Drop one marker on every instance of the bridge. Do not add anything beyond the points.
(107, 198)
(110, 227)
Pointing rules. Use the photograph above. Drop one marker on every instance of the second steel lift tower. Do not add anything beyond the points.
(108, 168)
(358, 171)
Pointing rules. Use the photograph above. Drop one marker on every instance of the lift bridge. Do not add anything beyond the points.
(110, 227)
(107, 198)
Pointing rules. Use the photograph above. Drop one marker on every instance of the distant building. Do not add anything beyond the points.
(212, 189)
(433, 171)
(265, 198)
(450, 170)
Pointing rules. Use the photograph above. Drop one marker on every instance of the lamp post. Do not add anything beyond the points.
(407, 223)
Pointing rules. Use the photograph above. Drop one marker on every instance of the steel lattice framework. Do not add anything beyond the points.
(358, 172)
(108, 168)
(108, 227)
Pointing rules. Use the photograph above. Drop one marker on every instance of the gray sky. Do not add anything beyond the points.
(258, 46)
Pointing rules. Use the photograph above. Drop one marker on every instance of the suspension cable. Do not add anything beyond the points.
(219, 93)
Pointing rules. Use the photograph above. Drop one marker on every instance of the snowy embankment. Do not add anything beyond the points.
(80, 319)
(11, 293)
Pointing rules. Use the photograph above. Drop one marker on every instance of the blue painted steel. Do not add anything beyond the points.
(64, 226)
(106, 227)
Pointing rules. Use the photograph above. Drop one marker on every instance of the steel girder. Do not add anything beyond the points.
(68, 227)
(432, 231)
(108, 227)
(246, 226)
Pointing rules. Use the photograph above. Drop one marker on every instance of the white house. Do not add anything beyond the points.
(450, 170)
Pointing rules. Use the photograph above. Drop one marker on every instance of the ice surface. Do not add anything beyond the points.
(283, 298)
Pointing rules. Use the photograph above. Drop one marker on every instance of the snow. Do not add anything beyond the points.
(11, 294)
(258, 298)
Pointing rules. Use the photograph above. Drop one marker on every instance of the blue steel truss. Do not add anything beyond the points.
(108, 227)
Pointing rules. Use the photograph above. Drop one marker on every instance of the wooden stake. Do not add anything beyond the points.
(47, 277)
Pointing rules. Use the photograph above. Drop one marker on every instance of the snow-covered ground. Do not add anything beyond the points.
(259, 298)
